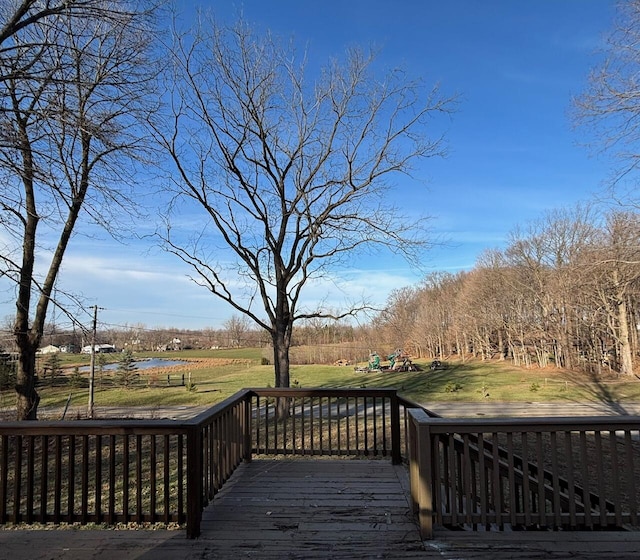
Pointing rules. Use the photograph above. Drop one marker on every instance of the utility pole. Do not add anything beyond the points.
(92, 367)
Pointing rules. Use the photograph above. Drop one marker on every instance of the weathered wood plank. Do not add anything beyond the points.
(586, 545)
(313, 509)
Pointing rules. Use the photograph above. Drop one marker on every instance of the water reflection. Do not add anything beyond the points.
(148, 363)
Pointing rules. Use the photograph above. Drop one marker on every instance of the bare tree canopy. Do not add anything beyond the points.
(72, 95)
(610, 106)
(290, 173)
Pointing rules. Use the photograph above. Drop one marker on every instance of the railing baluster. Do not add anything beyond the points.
(600, 478)
(630, 476)
(44, 478)
(530, 495)
(556, 479)
(542, 496)
(57, 492)
(348, 424)
(496, 484)
(84, 481)
(125, 478)
(386, 427)
(30, 478)
(322, 420)
(98, 479)
(180, 451)
(365, 419)
(466, 479)
(166, 476)
(287, 419)
(152, 473)
(330, 424)
(303, 426)
(512, 480)
(357, 426)
(312, 434)
(482, 477)
(267, 429)
(71, 458)
(230, 418)
(258, 423)
(276, 408)
(452, 478)
(571, 493)
(588, 508)
(112, 479)
(374, 419)
(439, 466)
(615, 477)
(17, 480)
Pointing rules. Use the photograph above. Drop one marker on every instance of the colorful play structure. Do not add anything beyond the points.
(398, 361)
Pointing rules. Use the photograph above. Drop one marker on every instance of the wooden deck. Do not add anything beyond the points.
(300, 508)
(317, 509)
(357, 509)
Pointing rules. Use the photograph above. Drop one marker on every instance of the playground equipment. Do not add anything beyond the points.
(373, 365)
(398, 361)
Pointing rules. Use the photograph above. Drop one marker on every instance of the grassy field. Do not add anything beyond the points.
(217, 374)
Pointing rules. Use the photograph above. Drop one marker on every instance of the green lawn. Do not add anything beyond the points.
(458, 382)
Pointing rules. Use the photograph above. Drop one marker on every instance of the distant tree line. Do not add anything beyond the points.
(565, 292)
(140, 338)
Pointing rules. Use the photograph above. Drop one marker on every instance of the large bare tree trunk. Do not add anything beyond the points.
(626, 358)
(27, 398)
(281, 359)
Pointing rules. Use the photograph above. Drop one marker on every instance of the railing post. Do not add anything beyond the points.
(420, 471)
(396, 452)
(414, 473)
(247, 430)
(194, 481)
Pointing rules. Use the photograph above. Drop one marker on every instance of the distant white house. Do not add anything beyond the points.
(175, 344)
(100, 349)
(50, 349)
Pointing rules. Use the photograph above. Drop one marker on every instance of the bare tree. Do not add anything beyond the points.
(74, 76)
(609, 107)
(18, 15)
(290, 175)
(237, 327)
(616, 282)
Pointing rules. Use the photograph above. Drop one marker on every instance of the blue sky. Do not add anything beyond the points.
(513, 152)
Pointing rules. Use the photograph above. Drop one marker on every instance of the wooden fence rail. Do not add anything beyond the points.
(558, 473)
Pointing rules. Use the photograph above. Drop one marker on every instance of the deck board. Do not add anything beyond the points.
(299, 508)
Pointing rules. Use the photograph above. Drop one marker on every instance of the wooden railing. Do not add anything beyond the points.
(120, 471)
(163, 471)
(557, 473)
(523, 473)
(358, 422)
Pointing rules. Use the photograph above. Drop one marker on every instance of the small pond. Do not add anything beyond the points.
(142, 364)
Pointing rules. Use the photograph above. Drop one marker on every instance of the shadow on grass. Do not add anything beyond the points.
(422, 384)
(597, 389)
